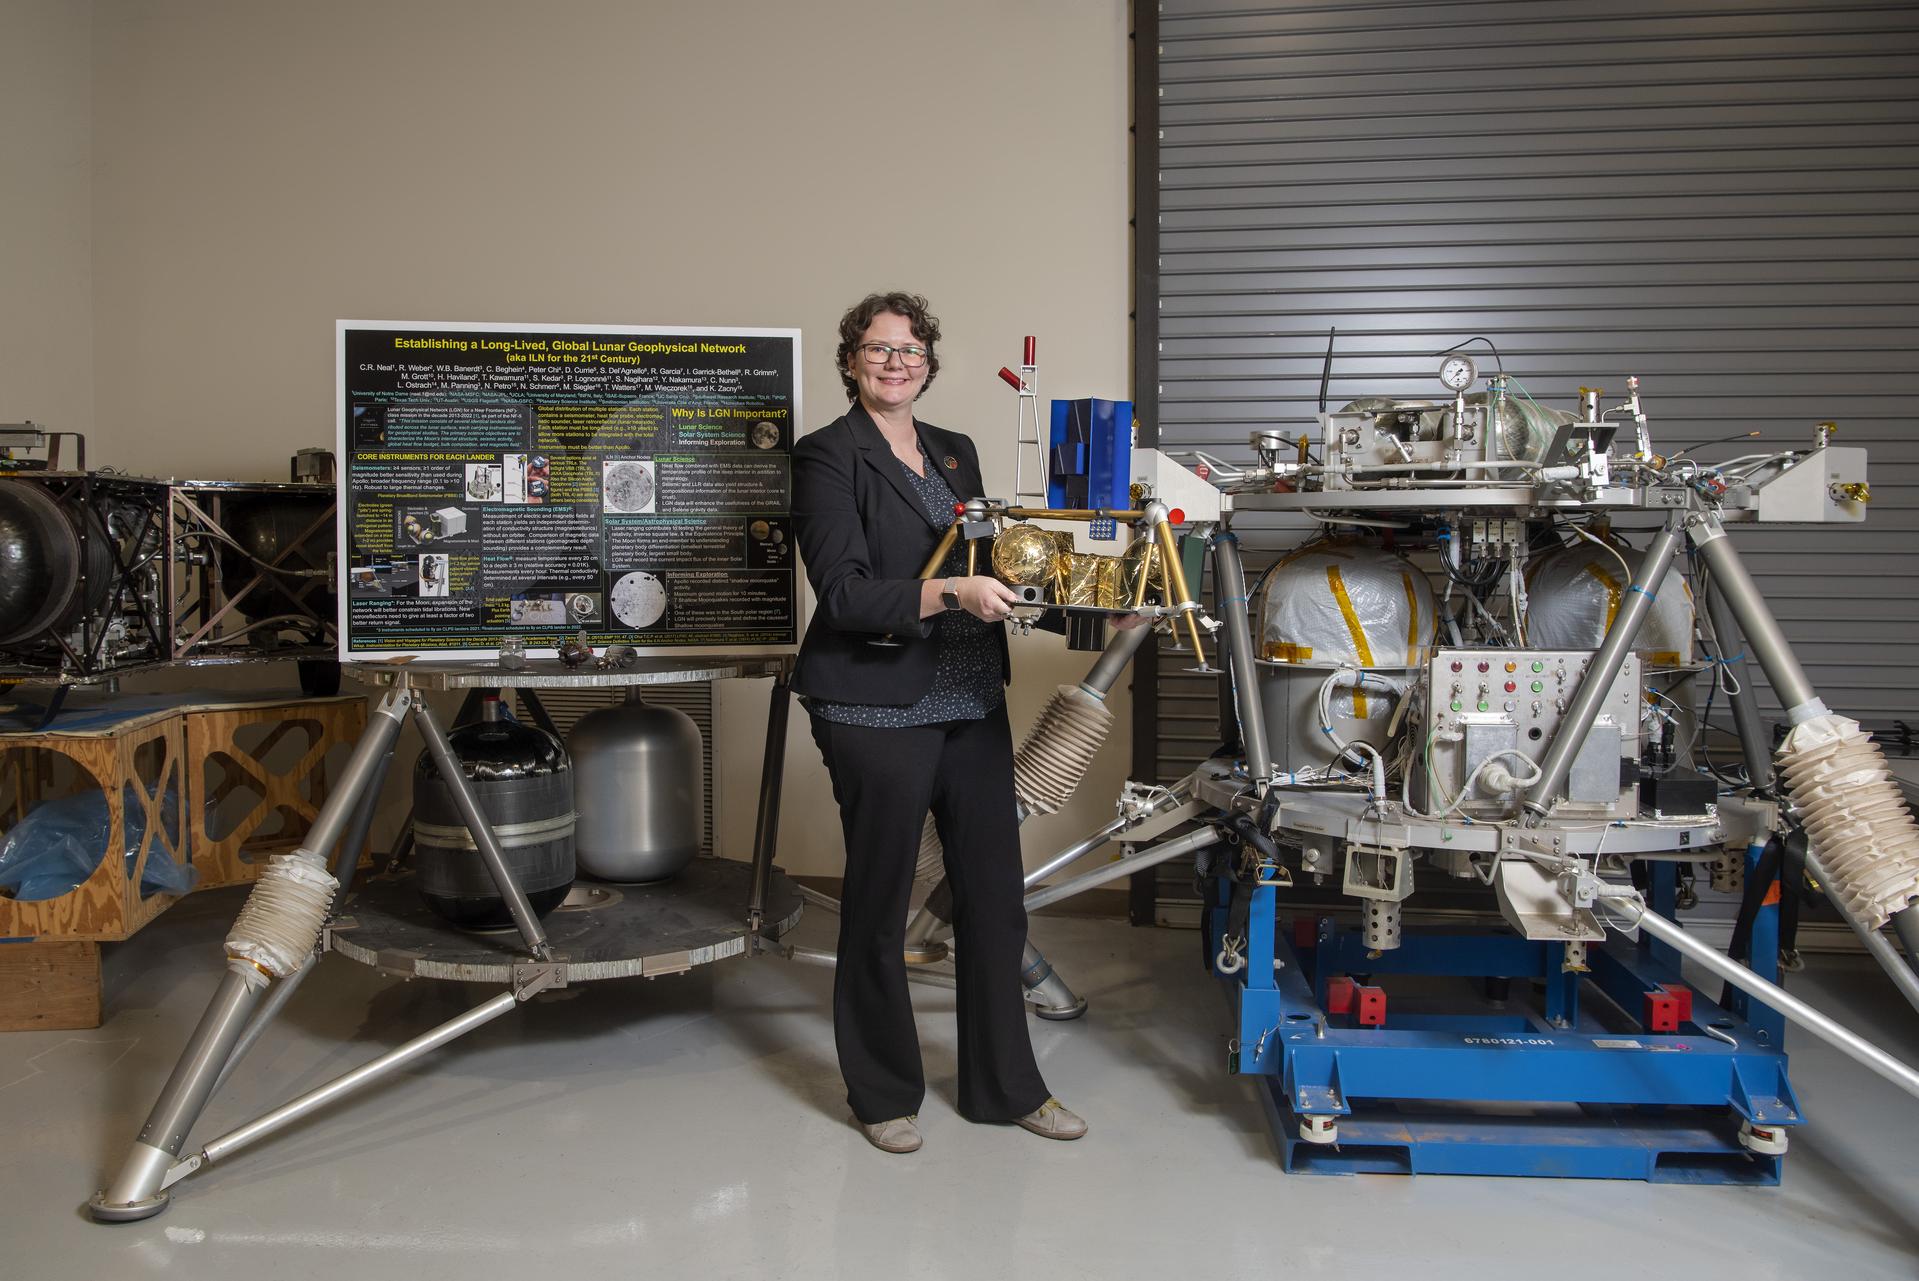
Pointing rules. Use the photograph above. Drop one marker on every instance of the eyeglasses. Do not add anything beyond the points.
(878, 353)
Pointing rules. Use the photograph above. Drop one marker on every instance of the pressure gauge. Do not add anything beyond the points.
(1457, 373)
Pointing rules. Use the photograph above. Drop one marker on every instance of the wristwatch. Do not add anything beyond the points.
(949, 594)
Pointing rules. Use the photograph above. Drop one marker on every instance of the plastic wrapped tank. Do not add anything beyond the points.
(640, 784)
(1573, 593)
(1328, 606)
(523, 780)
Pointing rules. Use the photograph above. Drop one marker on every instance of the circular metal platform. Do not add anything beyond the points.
(551, 673)
(600, 932)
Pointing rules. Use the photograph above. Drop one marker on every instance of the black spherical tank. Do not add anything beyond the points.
(42, 555)
(265, 526)
(523, 781)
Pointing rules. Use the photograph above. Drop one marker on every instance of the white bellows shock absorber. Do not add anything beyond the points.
(1855, 815)
(1047, 767)
(283, 915)
(1061, 745)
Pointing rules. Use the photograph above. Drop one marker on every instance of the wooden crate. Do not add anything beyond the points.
(204, 756)
(48, 987)
(136, 764)
(243, 754)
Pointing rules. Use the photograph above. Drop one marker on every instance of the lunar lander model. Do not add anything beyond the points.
(1469, 679)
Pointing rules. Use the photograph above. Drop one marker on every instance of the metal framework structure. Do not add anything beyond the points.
(164, 573)
(299, 910)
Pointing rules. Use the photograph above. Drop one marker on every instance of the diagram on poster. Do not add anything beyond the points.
(504, 480)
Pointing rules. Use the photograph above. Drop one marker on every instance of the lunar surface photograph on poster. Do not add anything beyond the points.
(539, 482)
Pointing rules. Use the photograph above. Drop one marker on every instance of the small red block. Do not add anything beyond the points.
(1339, 996)
(1681, 994)
(1371, 1010)
(1662, 1012)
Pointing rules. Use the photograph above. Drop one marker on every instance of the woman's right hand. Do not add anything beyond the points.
(985, 598)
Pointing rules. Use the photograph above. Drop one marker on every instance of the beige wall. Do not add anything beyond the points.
(46, 219)
(260, 169)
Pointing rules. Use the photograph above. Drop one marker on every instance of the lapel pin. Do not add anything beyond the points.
(952, 463)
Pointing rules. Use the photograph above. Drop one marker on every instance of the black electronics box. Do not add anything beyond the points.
(1677, 795)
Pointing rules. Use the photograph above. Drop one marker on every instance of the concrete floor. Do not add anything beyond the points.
(695, 1127)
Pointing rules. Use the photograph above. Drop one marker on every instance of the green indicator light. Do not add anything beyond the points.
(1455, 704)
(1484, 705)
(1538, 685)
(1539, 667)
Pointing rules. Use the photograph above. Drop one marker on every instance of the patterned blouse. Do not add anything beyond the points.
(966, 675)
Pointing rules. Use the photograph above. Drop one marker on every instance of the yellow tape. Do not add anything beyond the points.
(1353, 629)
(1284, 653)
(1612, 592)
(1412, 618)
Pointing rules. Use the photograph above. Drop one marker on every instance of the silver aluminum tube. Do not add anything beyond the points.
(1045, 989)
(1906, 925)
(1076, 851)
(277, 997)
(1745, 704)
(1112, 661)
(817, 899)
(819, 956)
(1841, 1038)
(475, 818)
(1879, 945)
(340, 1086)
(1229, 579)
(364, 770)
(1768, 643)
(1597, 683)
(184, 1095)
(1138, 861)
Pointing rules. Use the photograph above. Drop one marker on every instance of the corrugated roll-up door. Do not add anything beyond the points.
(1720, 197)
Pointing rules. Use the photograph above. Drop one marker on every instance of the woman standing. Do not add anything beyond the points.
(905, 683)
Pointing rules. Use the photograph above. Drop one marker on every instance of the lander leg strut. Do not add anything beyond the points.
(136, 1192)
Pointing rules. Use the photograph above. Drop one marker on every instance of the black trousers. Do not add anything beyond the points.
(885, 780)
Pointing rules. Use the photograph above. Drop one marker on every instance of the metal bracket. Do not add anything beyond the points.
(1378, 872)
(1527, 843)
(1535, 902)
(530, 978)
(335, 923)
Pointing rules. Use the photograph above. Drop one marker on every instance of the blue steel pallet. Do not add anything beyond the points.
(1690, 1145)
(1555, 1092)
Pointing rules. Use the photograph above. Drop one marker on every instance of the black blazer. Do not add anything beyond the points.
(865, 538)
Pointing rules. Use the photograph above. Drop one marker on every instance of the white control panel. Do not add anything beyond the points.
(1493, 705)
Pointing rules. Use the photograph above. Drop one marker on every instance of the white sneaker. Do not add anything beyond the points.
(902, 1133)
(1051, 1120)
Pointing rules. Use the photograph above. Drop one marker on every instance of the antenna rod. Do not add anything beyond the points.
(1326, 373)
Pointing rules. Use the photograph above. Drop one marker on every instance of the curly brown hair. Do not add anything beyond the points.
(924, 324)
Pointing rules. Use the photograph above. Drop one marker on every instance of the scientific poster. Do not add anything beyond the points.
(634, 484)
